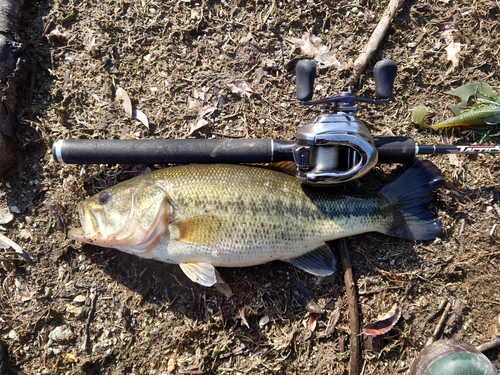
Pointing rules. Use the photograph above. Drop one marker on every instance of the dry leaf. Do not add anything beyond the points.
(6, 242)
(200, 121)
(61, 334)
(240, 87)
(453, 45)
(197, 125)
(309, 45)
(454, 160)
(171, 364)
(201, 93)
(243, 317)
(313, 321)
(22, 291)
(385, 322)
(326, 60)
(300, 292)
(452, 52)
(141, 116)
(122, 96)
(332, 322)
(193, 103)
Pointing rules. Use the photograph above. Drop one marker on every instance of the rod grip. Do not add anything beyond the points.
(163, 151)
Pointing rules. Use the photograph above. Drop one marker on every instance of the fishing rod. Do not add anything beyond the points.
(335, 147)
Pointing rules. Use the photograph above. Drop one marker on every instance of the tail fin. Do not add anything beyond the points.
(410, 195)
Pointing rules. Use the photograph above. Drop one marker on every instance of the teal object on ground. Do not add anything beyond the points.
(452, 357)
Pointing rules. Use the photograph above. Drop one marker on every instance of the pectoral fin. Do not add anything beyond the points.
(206, 275)
(201, 273)
(319, 262)
(198, 230)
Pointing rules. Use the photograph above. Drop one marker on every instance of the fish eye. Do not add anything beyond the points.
(103, 198)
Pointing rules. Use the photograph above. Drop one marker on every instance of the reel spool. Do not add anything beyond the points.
(337, 147)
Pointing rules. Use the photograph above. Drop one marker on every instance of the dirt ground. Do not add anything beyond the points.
(83, 310)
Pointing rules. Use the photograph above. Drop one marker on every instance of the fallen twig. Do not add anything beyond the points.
(458, 307)
(352, 300)
(440, 325)
(435, 313)
(90, 316)
(489, 345)
(374, 41)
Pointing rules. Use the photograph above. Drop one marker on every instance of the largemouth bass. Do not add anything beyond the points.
(205, 216)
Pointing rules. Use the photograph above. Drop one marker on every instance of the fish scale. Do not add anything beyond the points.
(204, 216)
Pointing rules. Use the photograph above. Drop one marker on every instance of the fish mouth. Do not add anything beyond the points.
(77, 234)
(90, 226)
(132, 238)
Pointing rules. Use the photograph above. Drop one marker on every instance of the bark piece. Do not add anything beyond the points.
(13, 68)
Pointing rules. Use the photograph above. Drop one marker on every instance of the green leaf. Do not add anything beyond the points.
(476, 90)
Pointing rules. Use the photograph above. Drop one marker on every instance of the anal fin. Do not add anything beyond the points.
(319, 262)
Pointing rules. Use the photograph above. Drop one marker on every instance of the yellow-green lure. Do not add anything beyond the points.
(483, 115)
(486, 113)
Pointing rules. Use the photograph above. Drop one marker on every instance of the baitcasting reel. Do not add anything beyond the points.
(337, 147)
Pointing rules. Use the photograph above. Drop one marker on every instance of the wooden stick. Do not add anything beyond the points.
(440, 325)
(374, 41)
(352, 300)
(90, 316)
(489, 345)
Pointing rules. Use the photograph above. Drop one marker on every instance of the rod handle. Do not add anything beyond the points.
(163, 151)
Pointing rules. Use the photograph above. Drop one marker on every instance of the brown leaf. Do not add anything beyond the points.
(385, 322)
(196, 125)
(303, 296)
(171, 364)
(452, 52)
(6, 242)
(313, 321)
(22, 291)
(243, 317)
(240, 87)
(332, 322)
(200, 121)
(122, 96)
(141, 116)
(193, 103)
(309, 45)
(201, 93)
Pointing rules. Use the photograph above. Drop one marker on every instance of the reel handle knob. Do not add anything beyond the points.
(384, 73)
(305, 72)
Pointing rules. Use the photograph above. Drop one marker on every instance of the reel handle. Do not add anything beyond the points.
(305, 72)
(384, 73)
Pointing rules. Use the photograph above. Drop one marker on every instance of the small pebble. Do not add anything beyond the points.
(5, 216)
(263, 321)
